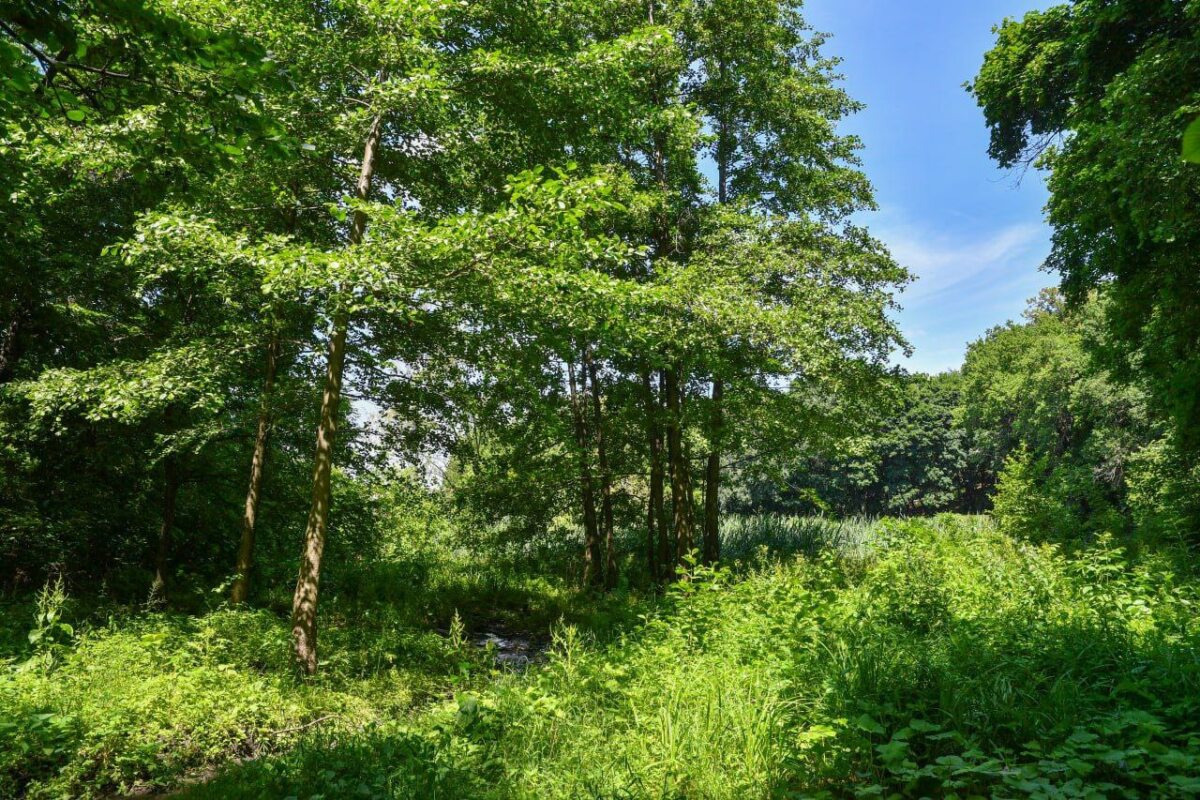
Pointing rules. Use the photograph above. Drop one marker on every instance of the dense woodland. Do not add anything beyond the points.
(616, 490)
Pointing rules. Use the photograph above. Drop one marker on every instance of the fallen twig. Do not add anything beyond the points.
(305, 726)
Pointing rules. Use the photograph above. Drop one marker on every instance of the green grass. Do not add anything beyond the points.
(142, 701)
(934, 658)
(750, 538)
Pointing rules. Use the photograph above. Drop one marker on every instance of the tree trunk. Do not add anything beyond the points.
(666, 516)
(663, 408)
(711, 544)
(304, 602)
(655, 535)
(681, 491)
(687, 541)
(711, 547)
(171, 481)
(245, 555)
(610, 554)
(592, 558)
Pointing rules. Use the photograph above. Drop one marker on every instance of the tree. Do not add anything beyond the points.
(304, 605)
(772, 101)
(131, 95)
(1100, 94)
(691, 300)
(1046, 410)
(125, 115)
(799, 310)
(429, 148)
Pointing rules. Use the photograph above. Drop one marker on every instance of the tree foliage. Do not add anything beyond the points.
(1101, 94)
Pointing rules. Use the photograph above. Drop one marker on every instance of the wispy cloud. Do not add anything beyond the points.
(963, 286)
(942, 264)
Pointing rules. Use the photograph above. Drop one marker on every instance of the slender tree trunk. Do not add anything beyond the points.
(610, 553)
(675, 534)
(171, 479)
(593, 574)
(245, 555)
(654, 504)
(258, 459)
(666, 516)
(668, 528)
(666, 536)
(711, 546)
(681, 491)
(304, 602)
(711, 543)
(687, 542)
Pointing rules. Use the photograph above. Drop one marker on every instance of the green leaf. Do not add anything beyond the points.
(893, 752)
(1186, 782)
(869, 724)
(1191, 142)
(76, 115)
(1080, 766)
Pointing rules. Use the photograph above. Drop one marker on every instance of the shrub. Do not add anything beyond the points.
(945, 657)
(1024, 506)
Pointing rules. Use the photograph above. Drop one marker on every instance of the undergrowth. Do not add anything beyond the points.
(935, 658)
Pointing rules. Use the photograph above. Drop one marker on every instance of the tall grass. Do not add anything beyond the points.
(746, 538)
(937, 658)
(953, 662)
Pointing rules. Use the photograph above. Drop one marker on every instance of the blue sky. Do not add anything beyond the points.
(973, 235)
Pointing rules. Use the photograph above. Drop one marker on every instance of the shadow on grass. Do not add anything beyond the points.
(368, 765)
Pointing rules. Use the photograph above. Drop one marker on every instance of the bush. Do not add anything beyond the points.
(1164, 494)
(1025, 506)
(952, 660)
(944, 657)
(142, 702)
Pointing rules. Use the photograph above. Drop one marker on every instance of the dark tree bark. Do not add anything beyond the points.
(711, 545)
(666, 513)
(593, 574)
(656, 537)
(172, 478)
(666, 527)
(304, 602)
(258, 460)
(681, 490)
(606, 516)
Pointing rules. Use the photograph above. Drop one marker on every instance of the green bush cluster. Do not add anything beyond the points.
(138, 702)
(954, 661)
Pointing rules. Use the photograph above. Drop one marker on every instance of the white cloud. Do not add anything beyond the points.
(940, 263)
(963, 286)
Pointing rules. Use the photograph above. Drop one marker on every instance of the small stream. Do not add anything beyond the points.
(515, 651)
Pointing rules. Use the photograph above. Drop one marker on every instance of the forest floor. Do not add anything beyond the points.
(916, 658)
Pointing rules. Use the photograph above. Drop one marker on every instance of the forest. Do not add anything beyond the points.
(619, 489)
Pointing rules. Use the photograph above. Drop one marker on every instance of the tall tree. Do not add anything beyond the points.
(304, 603)
(772, 102)
(694, 299)
(1099, 94)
